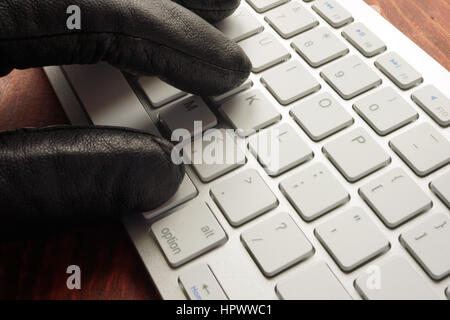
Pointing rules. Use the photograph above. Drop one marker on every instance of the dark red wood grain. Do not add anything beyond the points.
(111, 269)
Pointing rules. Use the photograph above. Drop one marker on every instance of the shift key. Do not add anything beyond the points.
(188, 233)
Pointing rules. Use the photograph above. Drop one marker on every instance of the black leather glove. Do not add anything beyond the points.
(71, 175)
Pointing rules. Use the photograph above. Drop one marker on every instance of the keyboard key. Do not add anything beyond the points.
(279, 149)
(350, 77)
(385, 111)
(158, 92)
(332, 12)
(429, 244)
(395, 197)
(240, 25)
(186, 191)
(276, 244)
(118, 106)
(435, 103)
(321, 116)
(363, 39)
(398, 70)
(243, 197)
(423, 148)
(199, 283)
(291, 19)
(447, 293)
(314, 191)
(316, 282)
(183, 115)
(356, 154)
(249, 111)
(352, 239)
(264, 51)
(188, 233)
(214, 154)
(319, 46)
(441, 187)
(398, 281)
(264, 5)
(220, 99)
(289, 82)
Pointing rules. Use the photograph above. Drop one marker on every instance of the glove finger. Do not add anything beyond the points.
(211, 10)
(151, 37)
(77, 175)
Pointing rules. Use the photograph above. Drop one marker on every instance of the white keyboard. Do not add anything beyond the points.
(357, 205)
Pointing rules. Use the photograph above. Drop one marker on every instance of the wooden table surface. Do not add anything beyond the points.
(110, 266)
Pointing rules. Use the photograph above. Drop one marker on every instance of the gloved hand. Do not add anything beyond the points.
(70, 175)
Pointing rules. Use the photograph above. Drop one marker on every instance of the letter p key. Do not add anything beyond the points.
(359, 139)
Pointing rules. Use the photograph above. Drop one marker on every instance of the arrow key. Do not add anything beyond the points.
(199, 283)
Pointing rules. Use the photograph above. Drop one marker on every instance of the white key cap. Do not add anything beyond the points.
(249, 111)
(356, 154)
(314, 191)
(319, 46)
(423, 148)
(264, 51)
(199, 283)
(435, 103)
(240, 25)
(158, 92)
(183, 115)
(352, 239)
(214, 154)
(395, 197)
(363, 39)
(220, 99)
(276, 244)
(289, 82)
(291, 19)
(279, 149)
(350, 77)
(108, 98)
(332, 12)
(321, 116)
(429, 244)
(447, 293)
(188, 233)
(398, 70)
(398, 281)
(441, 187)
(264, 5)
(243, 197)
(317, 282)
(385, 111)
(186, 191)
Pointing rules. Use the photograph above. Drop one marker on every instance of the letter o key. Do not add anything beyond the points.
(374, 107)
(325, 103)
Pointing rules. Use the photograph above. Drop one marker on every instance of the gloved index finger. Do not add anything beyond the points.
(151, 37)
(211, 10)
